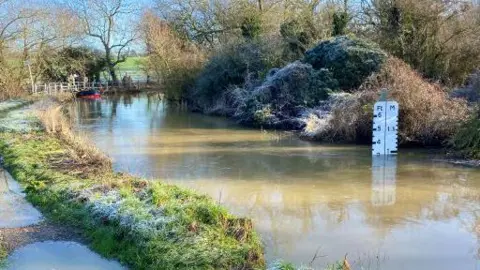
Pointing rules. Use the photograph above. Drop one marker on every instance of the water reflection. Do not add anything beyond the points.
(301, 195)
(384, 173)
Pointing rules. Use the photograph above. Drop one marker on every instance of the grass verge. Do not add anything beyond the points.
(143, 224)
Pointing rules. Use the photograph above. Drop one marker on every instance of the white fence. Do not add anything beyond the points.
(65, 87)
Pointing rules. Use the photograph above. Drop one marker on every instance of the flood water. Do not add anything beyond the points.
(409, 212)
(15, 211)
(61, 255)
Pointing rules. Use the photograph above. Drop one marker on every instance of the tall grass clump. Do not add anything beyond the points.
(427, 115)
(83, 152)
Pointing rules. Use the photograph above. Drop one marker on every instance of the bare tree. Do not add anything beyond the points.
(108, 22)
(10, 17)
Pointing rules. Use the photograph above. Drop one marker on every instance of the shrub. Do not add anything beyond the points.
(233, 65)
(12, 80)
(467, 140)
(437, 38)
(57, 66)
(471, 92)
(251, 26)
(351, 60)
(171, 60)
(285, 93)
(297, 35)
(427, 115)
(339, 24)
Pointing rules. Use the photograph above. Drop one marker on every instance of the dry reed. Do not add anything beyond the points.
(427, 115)
(83, 157)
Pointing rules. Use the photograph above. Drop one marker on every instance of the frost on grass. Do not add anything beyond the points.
(19, 120)
(318, 120)
(129, 211)
(285, 93)
(11, 104)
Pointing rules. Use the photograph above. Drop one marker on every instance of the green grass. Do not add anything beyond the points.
(132, 67)
(131, 63)
(143, 224)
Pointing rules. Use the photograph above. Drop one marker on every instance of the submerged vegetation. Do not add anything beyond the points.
(144, 224)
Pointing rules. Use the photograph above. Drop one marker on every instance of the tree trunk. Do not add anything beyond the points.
(111, 66)
(113, 74)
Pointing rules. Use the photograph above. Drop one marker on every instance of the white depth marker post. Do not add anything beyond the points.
(385, 128)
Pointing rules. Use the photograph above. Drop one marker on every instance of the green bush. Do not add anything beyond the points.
(69, 60)
(233, 65)
(340, 21)
(351, 60)
(284, 94)
(251, 26)
(297, 35)
(467, 139)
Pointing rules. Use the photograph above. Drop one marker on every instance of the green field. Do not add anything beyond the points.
(132, 63)
(132, 67)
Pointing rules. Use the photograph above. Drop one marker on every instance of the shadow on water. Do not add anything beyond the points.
(410, 211)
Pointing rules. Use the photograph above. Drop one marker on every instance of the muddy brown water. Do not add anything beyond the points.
(409, 212)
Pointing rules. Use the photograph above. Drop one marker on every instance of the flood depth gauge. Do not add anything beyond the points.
(385, 127)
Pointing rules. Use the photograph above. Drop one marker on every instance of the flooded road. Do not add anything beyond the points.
(408, 212)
